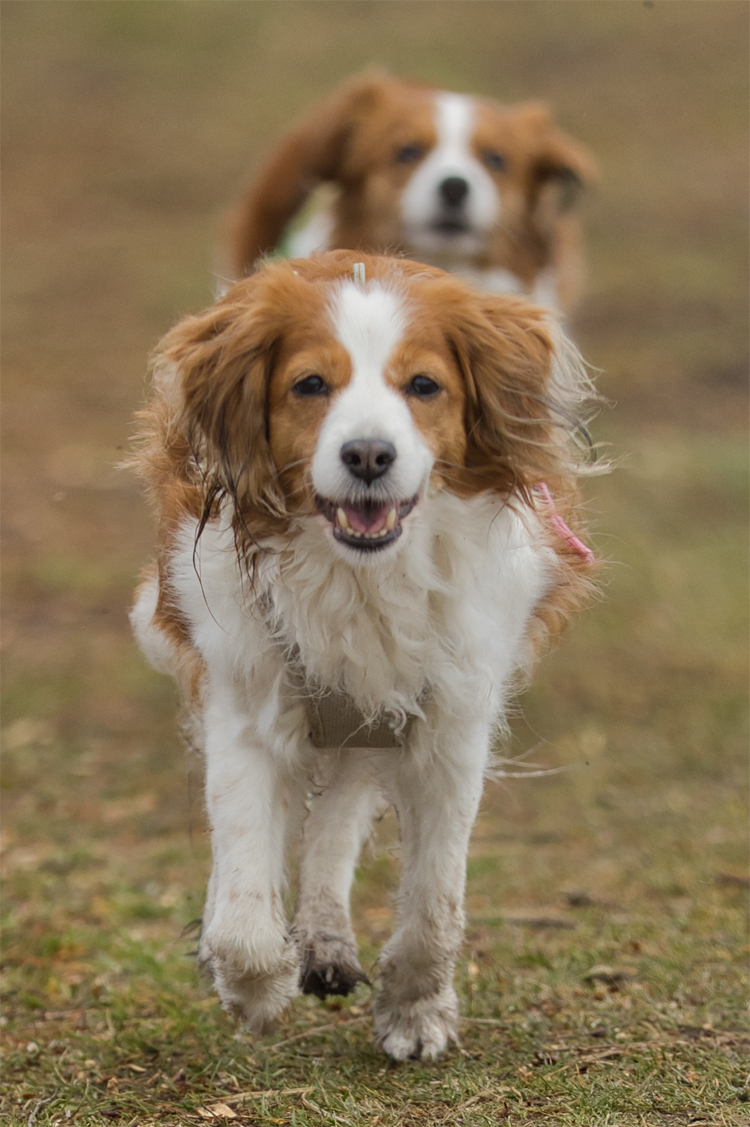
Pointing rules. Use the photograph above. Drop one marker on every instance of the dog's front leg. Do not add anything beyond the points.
(416, 1009)
(245, 943)
(338, 822)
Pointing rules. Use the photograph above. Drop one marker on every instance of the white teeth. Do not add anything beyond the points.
(347, 528)
(389, 526)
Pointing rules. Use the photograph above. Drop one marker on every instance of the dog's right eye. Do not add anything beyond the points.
(310, 385)
(423, 387)
(494, 160)
(408, 154)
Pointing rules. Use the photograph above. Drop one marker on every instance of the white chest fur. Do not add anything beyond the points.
(446, 613)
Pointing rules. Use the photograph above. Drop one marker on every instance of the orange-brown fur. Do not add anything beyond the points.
(256, 403)
(349, 139)
(222, 423)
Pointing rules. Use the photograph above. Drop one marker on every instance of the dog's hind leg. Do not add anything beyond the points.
(337, 824)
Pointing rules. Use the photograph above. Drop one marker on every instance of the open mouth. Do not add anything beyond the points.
(366, 525)
(448, 226)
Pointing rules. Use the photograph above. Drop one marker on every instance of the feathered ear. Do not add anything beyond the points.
(221, 363)
(525, 387)
(313, 152)
(561, 168)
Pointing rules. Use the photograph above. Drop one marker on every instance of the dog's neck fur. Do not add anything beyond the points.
(386, 631)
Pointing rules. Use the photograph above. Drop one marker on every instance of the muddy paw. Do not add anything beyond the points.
(329, 964)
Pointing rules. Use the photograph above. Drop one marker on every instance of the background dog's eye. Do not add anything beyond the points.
(408, 154)
(493, 160)
(311, 385)
(423, 386)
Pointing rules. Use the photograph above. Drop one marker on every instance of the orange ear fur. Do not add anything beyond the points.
(559, 164)
(222, 361)
(312, 152)
(522, 400)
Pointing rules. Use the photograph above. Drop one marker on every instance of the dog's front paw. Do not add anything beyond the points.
(418, 1029)
(330, 964)
(253, 989)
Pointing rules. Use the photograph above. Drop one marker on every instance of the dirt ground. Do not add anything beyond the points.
(127, 130)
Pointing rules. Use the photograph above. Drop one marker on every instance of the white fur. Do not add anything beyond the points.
(447, 613)
(452, 156)
(434, 626)
(545, 292)
(315, 236)
(153, 643)
(370, 322)
(420, 206)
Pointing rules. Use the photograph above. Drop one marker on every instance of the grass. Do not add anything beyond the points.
(604, 977)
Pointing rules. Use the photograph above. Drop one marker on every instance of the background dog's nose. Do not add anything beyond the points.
(454, 190)
(368, 458)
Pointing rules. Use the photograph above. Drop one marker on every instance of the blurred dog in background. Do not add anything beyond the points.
(483, 190)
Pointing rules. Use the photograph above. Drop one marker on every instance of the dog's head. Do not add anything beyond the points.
(481, 171)
(345, 389)
(441, 176)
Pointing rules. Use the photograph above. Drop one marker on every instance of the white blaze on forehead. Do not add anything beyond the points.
(370, 321)
(422, 202)
(454, 123)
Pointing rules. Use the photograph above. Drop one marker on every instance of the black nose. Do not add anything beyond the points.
(454, 190)
(368, 458)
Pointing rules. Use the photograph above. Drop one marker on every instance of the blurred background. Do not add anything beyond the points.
(127, 131)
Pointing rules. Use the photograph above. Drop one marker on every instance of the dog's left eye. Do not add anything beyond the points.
(408, 154)
(311, 385)
(423, 387)
(495, 161)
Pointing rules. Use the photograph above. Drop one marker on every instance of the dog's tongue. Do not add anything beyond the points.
(367, 519)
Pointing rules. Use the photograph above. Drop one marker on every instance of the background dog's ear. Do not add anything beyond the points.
(220, 362)
(525, 385)
(312, 152)
(561, 167)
